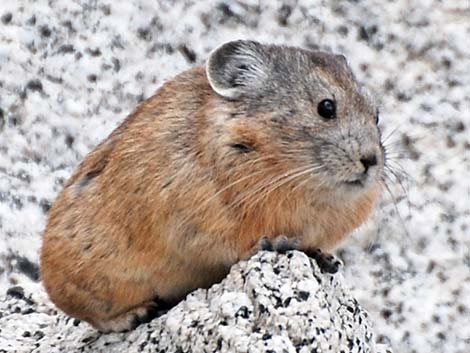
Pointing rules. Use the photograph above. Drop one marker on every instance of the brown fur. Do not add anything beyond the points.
(150, 212)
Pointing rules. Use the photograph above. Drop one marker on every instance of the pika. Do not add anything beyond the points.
(263, 144)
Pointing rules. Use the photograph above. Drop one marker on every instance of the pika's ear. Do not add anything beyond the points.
(237, 68)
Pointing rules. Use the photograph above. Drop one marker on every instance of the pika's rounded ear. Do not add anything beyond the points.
(237, 68)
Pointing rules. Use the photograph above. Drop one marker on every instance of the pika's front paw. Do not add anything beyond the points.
(327, 262)
(280, 244)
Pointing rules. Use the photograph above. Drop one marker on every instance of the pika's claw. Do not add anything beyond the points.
(280, 244)
(327, 263)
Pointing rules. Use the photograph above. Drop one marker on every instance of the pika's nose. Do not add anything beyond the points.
(368, 161)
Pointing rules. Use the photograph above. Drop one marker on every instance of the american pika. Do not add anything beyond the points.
(260, 143)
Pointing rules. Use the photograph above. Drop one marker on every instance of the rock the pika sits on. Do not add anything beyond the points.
(263, 146)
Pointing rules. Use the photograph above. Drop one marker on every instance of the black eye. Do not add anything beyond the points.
(327, 109)
(377, 118)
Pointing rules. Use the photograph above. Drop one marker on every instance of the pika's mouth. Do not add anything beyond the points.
(355, 183)
(359, 181)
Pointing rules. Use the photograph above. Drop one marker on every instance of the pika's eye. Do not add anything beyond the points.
(327, 109)
(377, 118)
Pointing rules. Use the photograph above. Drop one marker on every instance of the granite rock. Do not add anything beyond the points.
(270, 303)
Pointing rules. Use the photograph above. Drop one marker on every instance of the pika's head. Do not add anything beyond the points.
(297, 114)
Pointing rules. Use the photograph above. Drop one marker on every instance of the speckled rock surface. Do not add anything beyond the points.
(271, 303)
(70, 71)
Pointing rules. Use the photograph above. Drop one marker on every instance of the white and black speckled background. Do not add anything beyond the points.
(71, 70)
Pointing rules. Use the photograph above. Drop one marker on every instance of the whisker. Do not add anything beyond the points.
(390, 134)
(287, 180)
(402, 221)
(225, 188)
(254, 189)
(264, 197)
(307, 179)
(399, 171)
(277, 181)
